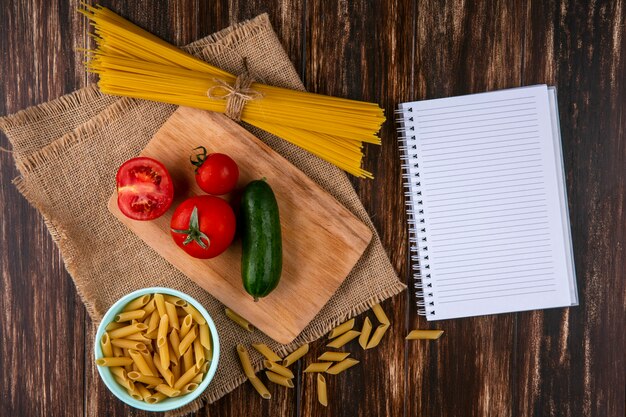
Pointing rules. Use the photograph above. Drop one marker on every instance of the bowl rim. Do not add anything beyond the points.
(169, 403)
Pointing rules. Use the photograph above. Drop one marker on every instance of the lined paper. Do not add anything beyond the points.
(487, 175)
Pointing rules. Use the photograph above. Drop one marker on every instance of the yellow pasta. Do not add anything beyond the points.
(343, 339)
(188, 360)
(167, 390)
(198, 378)
(138, 337)
(146, 379)
(322, 395)
(187, 341)
(164, 352)
(178, 302)
(160, 304)
(366, 330)
(240, 321)
(318, 367)
(137, 303)
(165, 372)
(189, 388)
(205, 335)
(141, 363)
(244, 358)
(177, 369)
(105, 345)
(129, 315)
(424, 334)
(143, 391)
(114, 361)
(264, 350)
(380, 314)
(333, 356)
(279, 379)
(377, 336)
(186, 325)
(149, 308)
(186, 378)
(197, 317)
(126, 383)
(148, 358)
(134, 392)
(341, 366)
(260, 387)
(341, 329)
(113, 325)
(295, 355)
(119, 371)
(198, 352)
(279, 369)
(155, 398)
(171, 313)
(128, 344)
(175, 342)
(117, 352)
(122, 332)
(131, 62)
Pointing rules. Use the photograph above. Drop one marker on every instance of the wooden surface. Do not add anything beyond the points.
(561, 362)
(321, 239)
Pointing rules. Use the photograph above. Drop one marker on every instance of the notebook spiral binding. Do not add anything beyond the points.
(418, 241)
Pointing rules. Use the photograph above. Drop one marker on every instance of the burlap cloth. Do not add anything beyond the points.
(69, 149)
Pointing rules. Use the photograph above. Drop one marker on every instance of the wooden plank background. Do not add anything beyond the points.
(561, 362)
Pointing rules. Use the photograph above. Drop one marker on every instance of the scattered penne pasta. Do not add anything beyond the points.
(279, 379)
(366, 330)
(322, 395)
(341, 366)
(266, 351)
(318, 367)
(380, 314)
(158, 347)
(279, 369)
(240, 321)
(341, 329)
(260, 387)
(244, 358)
(343, 339)
(333, 356)
(295, 355)
(377, 336)
(424, 334)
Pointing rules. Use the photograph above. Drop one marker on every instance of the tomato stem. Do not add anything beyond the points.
(200, 158)
(194, 234)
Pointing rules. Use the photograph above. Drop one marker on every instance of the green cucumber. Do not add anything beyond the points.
(262, 251)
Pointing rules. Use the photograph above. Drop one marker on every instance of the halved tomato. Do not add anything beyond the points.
(144, 188)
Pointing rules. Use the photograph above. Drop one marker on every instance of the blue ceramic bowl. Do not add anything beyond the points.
(168, 403)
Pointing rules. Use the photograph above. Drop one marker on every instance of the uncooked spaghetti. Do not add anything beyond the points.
(132, 62)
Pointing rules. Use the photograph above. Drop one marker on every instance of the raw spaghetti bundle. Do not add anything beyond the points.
(132, 62)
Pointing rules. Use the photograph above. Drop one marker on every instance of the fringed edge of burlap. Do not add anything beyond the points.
(57, 148)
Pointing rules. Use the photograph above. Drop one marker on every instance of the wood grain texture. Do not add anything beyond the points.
(550, 363)
(321, 239)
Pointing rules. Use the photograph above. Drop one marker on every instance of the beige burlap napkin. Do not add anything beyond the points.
(69, 149)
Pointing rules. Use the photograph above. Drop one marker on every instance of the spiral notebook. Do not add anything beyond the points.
(486, 202)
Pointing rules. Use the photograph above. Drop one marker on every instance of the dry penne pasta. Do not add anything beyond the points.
(130, 315)
(318, 367)
(240, 321)
(377, 336)
(260, 387)
(167, 390)
(322, 395)
(137, 303)
(424, 334)
(279, 379)
(341, 329)
(146, 379)
(122, 361)
(295, 355)
(341, 366)
(187, 341)
(155, 398)
(244, 358)
(205, 336)
(366, 330)
(279, 369)
(343, 339)
(264, 350)
(197, 317)
(333, 356)
(145, 350)
(105, 345)
(122, 332)
(171, 313)
(380, 314)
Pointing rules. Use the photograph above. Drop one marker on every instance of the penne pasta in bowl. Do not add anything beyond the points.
(157, 349)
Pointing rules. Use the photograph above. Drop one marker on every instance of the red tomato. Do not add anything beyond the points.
(203, 226)
(216, 173)
(144, 188)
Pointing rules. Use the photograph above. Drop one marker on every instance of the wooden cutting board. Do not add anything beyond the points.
(322, 240)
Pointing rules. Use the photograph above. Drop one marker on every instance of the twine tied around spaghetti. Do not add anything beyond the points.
(237, 94)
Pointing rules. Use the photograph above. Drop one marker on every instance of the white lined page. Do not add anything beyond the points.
(488, 187)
